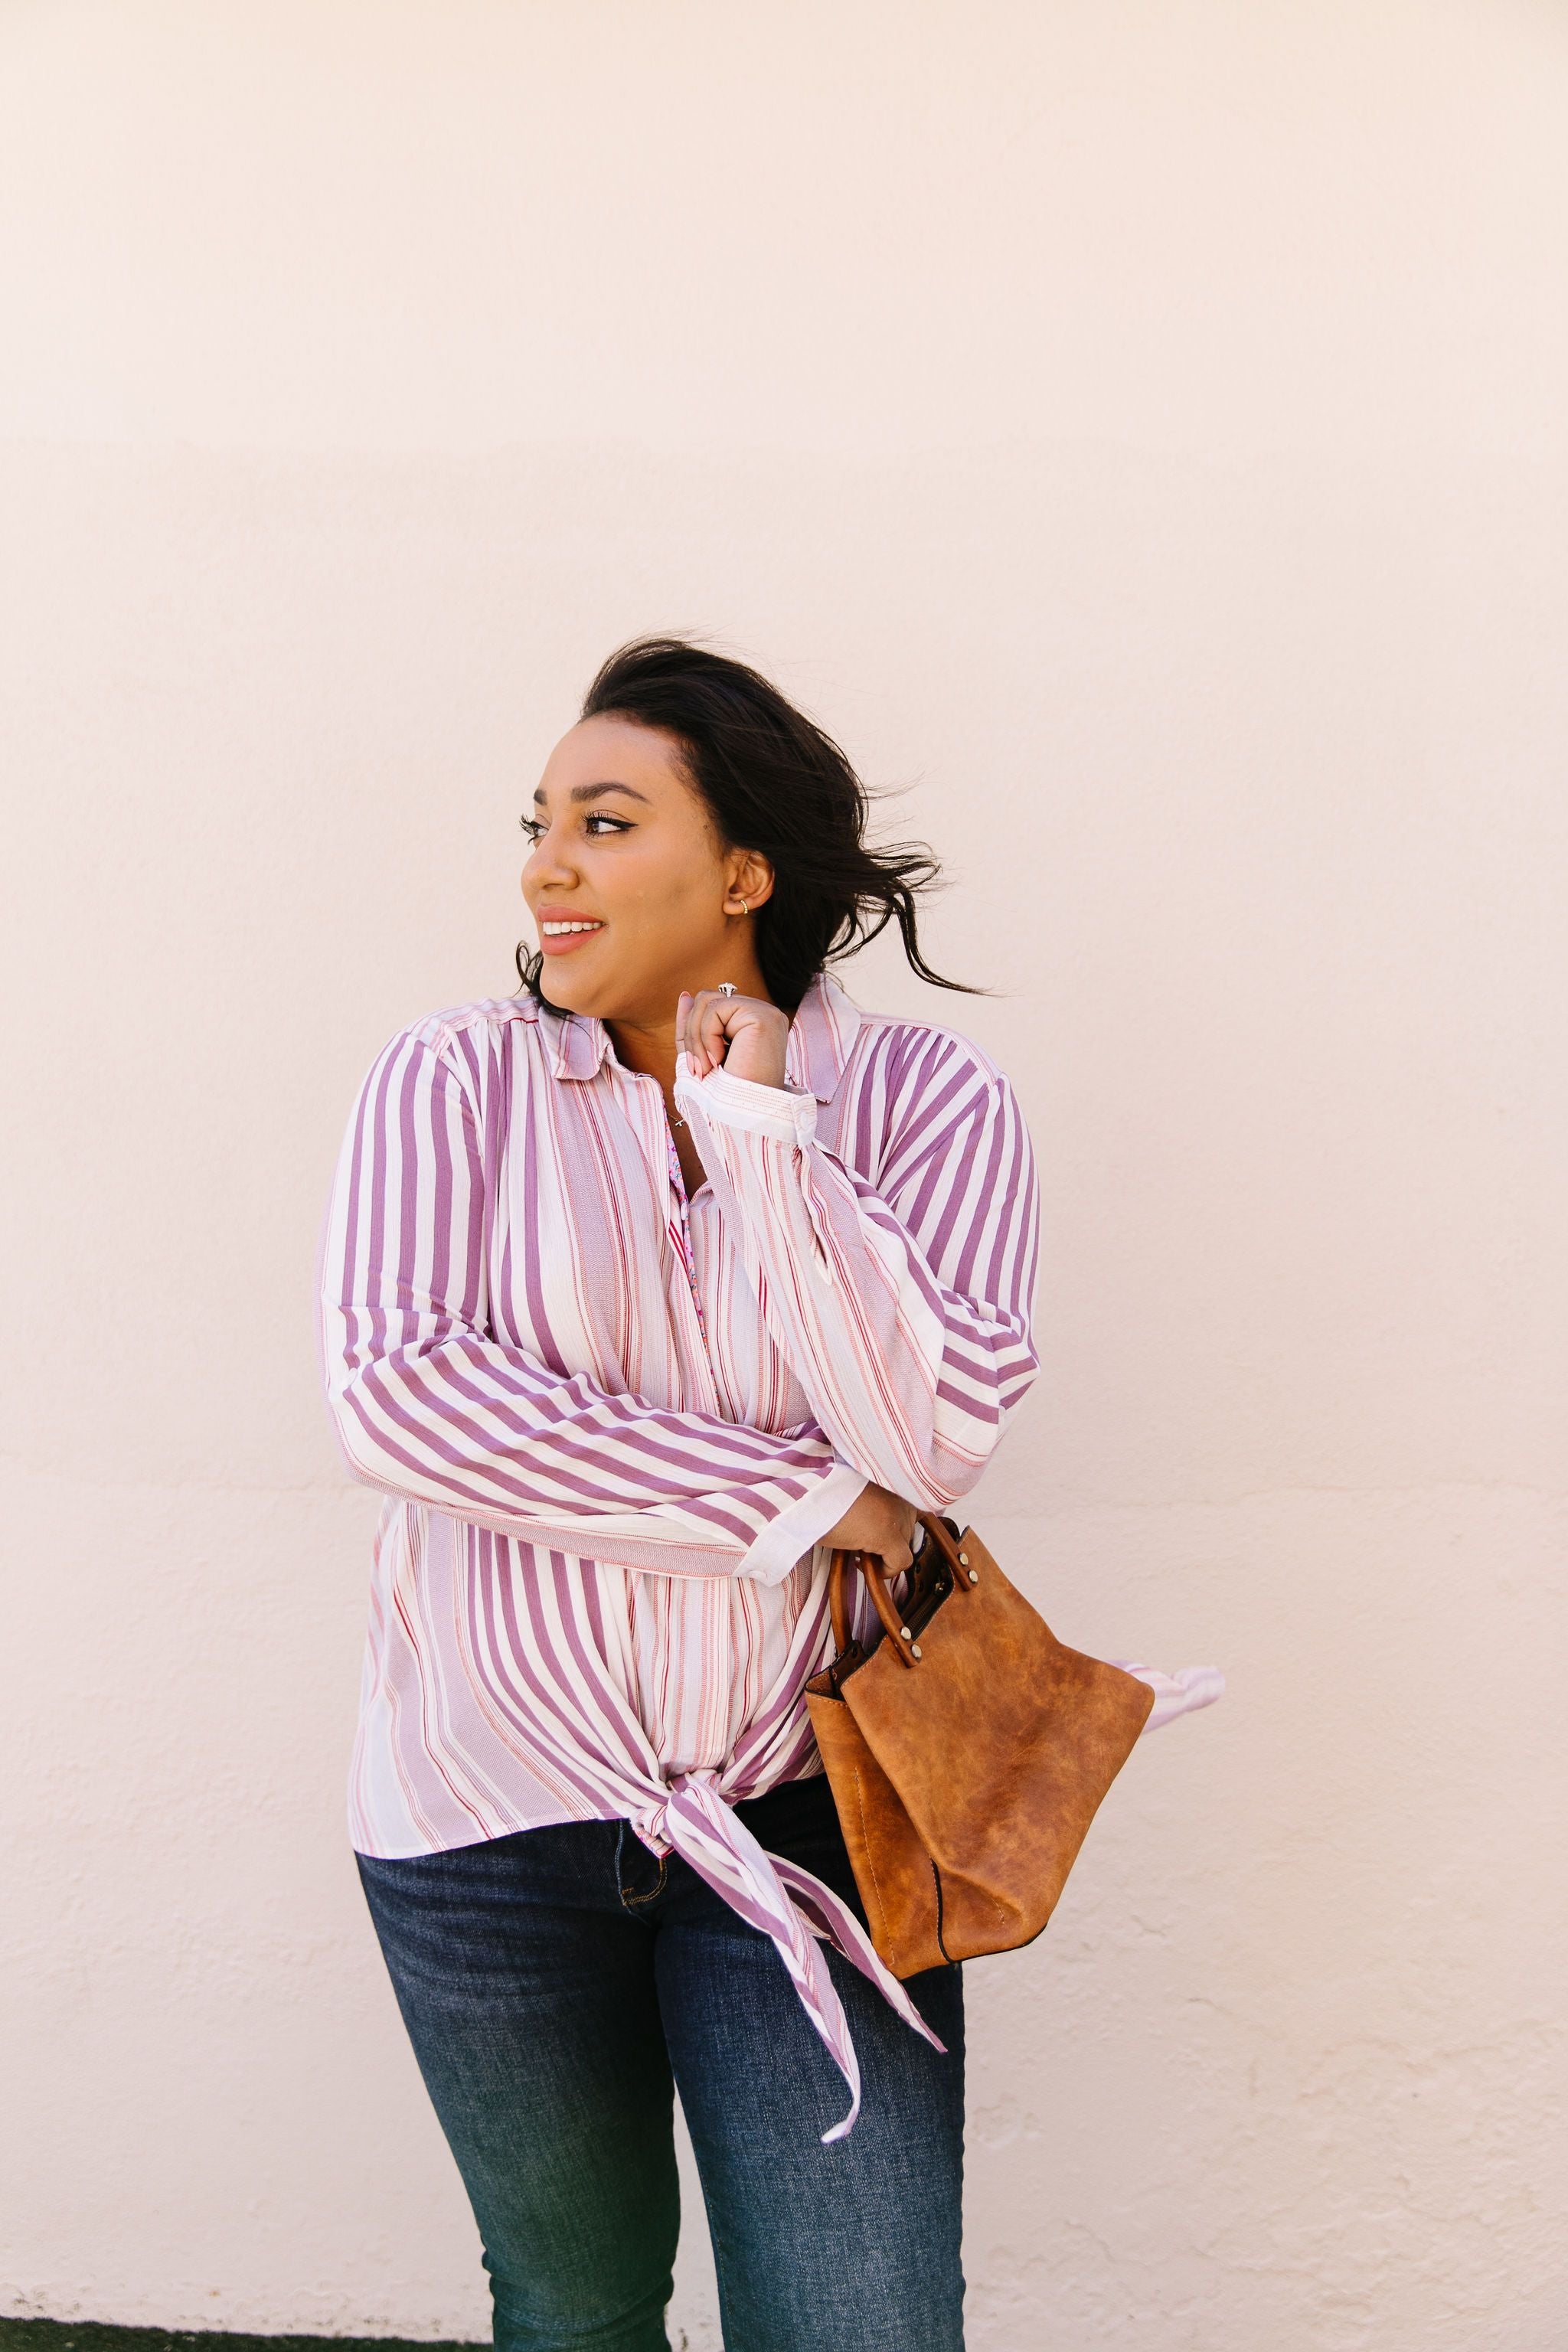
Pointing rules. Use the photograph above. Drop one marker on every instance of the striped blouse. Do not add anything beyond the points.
(612, 1424)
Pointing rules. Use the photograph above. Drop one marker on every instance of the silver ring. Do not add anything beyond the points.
(726, 988)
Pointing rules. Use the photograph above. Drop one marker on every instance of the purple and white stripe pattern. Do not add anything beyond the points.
(791, 1906)
(612, 1424)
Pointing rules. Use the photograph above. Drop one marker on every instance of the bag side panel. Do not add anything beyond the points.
(892, 1869)
(1000, 1744)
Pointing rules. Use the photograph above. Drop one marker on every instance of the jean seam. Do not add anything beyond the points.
(721, 2262)
(631, 1901)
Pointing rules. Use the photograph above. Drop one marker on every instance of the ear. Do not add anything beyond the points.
(751, 878)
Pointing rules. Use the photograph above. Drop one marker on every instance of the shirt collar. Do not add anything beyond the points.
(816, 1051)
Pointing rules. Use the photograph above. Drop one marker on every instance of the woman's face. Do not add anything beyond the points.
(622, 840)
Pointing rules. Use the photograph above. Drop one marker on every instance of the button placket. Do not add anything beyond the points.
(677, 1219)
(680, 1233)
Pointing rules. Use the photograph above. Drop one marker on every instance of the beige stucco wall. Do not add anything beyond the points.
(1139, 430)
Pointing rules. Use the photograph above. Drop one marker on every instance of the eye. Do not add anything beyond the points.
(534, 828)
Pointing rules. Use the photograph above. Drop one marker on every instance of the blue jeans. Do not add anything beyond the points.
(558, 1983)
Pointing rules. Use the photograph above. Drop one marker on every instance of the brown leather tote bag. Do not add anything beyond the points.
(968, 1750)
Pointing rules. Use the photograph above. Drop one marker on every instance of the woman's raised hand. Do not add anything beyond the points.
(881, 1523)
(743, 1035)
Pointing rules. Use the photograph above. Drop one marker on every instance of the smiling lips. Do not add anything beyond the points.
(560, 932)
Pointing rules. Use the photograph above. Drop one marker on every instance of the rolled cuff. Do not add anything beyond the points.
(799, 1528)
(728, 1101)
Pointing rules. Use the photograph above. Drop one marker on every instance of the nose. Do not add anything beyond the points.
(544, 868)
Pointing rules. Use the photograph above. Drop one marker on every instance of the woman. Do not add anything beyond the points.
(644, 1291)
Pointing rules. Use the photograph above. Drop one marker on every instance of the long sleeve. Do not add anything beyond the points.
(430, 1406)
(904, 1311)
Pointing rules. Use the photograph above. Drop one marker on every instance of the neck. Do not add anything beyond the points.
(647, 1042)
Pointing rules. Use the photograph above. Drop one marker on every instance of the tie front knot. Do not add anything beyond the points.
(788, 1905)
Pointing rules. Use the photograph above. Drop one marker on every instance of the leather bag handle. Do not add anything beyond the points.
(880, 1586)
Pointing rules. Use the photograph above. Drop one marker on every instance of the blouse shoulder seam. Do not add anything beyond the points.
(438, 1033)
(883, 1023)
(440, 1030)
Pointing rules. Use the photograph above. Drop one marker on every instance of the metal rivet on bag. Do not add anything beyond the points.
(904, 1634)
(974, 1576)
(964, 1560)
(916, 1651)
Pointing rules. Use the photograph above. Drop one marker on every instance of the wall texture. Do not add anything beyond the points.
(1137, 430)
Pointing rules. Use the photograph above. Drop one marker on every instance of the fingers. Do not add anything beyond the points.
(897, 1559)
(910, 1533)
(896, 1553)
(688, 1029)
(711, 1034)
(906, 1518)
(700, 1028)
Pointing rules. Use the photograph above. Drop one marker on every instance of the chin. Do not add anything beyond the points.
(575, 992)
(539, 987)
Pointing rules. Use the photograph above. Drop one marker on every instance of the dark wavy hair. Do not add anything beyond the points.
(772, 783)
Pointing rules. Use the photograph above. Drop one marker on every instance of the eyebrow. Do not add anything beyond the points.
(592, 792)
